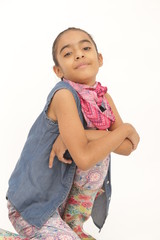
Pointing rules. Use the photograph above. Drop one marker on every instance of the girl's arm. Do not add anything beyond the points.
(85, 153)
(59, 148)
(126, 147)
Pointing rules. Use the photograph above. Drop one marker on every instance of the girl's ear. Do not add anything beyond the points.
(58, 71)
(100, 59)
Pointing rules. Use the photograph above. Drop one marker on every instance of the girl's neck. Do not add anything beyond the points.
(91, 84)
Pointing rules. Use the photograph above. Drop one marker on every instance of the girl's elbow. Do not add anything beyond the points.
(83, 168)
(83, 164)
(128, 152)
(124, 152)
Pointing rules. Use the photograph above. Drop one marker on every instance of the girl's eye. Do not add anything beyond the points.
(67, 54)
(87, 48)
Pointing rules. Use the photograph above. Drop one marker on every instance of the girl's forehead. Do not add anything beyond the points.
(72, 37)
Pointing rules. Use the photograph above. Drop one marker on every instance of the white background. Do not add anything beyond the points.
(127, 33)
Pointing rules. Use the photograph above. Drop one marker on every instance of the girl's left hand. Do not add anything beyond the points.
(58, 149)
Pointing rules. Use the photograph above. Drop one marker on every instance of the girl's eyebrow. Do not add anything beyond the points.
(69, 45)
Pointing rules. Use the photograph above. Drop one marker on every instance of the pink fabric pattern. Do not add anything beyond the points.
(93, 178)
(54, 229)
(6, 235)
(91, 98)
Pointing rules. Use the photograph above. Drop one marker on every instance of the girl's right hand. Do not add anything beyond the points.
(59, 150)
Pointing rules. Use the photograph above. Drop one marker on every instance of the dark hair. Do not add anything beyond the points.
(54, 47)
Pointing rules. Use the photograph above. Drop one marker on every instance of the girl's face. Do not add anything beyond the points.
(77, 57)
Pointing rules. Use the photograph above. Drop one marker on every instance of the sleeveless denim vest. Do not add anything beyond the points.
(35, 190)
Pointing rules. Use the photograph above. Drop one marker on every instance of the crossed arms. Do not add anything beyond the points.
(87, 147)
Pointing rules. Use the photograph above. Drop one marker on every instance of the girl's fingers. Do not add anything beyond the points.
(51, 158)
(62, 159)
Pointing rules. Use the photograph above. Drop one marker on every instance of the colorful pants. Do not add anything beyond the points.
(55, 228)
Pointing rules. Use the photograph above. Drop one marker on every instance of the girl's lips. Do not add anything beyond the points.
(81, 65)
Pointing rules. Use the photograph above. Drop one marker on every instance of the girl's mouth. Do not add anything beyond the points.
(81, 65)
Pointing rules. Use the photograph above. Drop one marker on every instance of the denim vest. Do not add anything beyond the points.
(35, 190)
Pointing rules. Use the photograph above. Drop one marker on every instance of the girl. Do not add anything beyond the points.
(53, 202)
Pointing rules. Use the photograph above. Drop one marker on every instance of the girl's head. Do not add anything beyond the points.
(76, 56)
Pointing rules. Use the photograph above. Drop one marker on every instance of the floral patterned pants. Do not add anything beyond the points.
(55, 228)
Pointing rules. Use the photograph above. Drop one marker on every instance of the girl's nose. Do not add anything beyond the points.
(79, 55)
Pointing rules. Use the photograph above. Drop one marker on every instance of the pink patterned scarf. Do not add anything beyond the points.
(95, 107)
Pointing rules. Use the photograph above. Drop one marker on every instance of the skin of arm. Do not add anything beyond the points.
(126, 147)
(84, 152)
